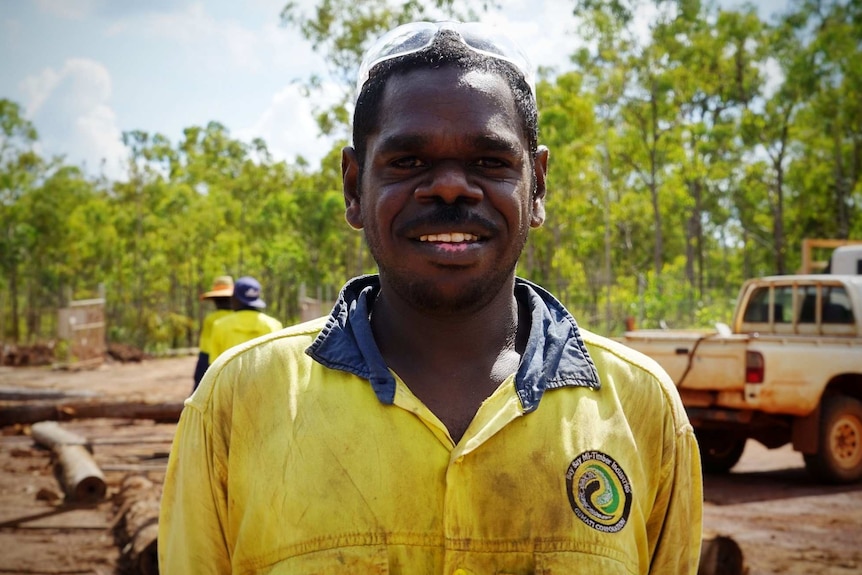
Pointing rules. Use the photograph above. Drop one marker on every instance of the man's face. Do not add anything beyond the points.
(448, 190)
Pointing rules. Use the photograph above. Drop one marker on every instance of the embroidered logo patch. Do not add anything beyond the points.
(599, 491)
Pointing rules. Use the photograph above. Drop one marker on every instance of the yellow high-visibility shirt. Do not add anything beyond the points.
(239, 327)
(205, 344)
(302, 453)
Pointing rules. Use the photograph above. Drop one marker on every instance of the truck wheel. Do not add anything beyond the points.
(839, 455)
(718, 451)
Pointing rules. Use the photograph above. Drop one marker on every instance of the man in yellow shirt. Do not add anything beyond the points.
(447, 417)
(220, 294)
(247, 320)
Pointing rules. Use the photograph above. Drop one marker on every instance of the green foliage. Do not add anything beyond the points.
(680, 165)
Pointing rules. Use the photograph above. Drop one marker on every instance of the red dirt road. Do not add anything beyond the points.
(785, 523)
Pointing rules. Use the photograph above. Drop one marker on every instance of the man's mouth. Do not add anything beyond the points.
(449, 238)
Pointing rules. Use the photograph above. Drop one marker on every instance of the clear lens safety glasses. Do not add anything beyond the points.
(417, 36)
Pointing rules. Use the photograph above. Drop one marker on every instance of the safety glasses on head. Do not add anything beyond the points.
(417, 36)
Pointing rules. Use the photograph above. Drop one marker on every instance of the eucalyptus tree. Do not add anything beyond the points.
(714, 70)
(633, 73)
(50, 244)
(20, 169)
(825, 174)
(143, 206)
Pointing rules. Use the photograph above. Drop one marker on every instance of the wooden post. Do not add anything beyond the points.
(81, 478)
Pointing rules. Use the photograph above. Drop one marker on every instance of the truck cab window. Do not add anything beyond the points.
(836, 305)
(783, 307)
(808, 309)
(758, 307)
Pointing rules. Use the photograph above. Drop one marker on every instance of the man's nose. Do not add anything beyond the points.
(449, 182)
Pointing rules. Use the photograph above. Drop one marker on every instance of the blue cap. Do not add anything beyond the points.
(247, 290)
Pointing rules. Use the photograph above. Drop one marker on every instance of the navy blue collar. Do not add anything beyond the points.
(555, 355)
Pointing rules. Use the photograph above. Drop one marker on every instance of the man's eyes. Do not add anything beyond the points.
(412, 162)
(407, 163)
(491, 163)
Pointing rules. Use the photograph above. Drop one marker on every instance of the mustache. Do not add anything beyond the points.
(450, 215)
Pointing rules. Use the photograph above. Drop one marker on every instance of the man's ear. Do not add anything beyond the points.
(540, 170)
(350, 183)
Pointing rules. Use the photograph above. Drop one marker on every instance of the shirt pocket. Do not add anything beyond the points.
(370, 560)
(568, 562)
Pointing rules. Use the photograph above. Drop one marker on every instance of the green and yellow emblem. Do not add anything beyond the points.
(599, 491)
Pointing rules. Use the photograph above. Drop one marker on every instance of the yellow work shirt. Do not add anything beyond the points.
(205, 344)
(301, 453)
(239, 327)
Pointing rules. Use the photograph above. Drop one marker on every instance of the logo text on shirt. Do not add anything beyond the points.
(599, 491)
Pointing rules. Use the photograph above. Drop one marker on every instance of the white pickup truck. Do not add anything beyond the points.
(788, 370)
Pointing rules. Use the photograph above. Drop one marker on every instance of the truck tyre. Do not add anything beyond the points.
(839, 454)
(718, 451)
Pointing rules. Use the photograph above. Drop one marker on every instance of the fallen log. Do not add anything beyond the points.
(138, 524)
(78, 472)
(721, 555)
(49, 434)
(28, 394)
(89, 409)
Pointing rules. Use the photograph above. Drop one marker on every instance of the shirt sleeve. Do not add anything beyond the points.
(194, 505)
(676, 523)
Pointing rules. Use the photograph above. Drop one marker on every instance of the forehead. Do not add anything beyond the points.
(451, 100)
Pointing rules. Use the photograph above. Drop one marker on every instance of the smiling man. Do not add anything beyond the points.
(447, 417)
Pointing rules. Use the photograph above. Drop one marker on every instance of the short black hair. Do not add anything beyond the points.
(446, 50)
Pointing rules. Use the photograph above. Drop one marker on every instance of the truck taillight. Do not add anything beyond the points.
(753, 367)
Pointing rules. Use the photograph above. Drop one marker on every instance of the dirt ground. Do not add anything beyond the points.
(784, 523)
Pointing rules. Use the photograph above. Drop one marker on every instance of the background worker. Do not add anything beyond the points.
(220, 294)
(247, 320)
(448, 417)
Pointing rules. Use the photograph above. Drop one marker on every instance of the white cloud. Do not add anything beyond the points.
(72, 112)
(229, 43)
(288, 126)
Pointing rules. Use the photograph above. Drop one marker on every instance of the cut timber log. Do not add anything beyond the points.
(138, 521)
(721, 555)
(81, 478)
(66, 411)
(49, 434)
(27, 394)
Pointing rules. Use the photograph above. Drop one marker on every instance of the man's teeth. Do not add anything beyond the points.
(454, 238)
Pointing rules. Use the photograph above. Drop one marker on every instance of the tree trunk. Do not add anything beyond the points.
(13, 299)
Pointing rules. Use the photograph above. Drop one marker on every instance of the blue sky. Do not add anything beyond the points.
(87, 70)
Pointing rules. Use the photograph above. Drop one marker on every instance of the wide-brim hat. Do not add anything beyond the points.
(222, 287)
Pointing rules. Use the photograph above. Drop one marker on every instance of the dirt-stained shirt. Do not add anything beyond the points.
(302, 453)
(239, 327)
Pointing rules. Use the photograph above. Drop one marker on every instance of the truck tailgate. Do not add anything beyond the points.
(695, 360)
